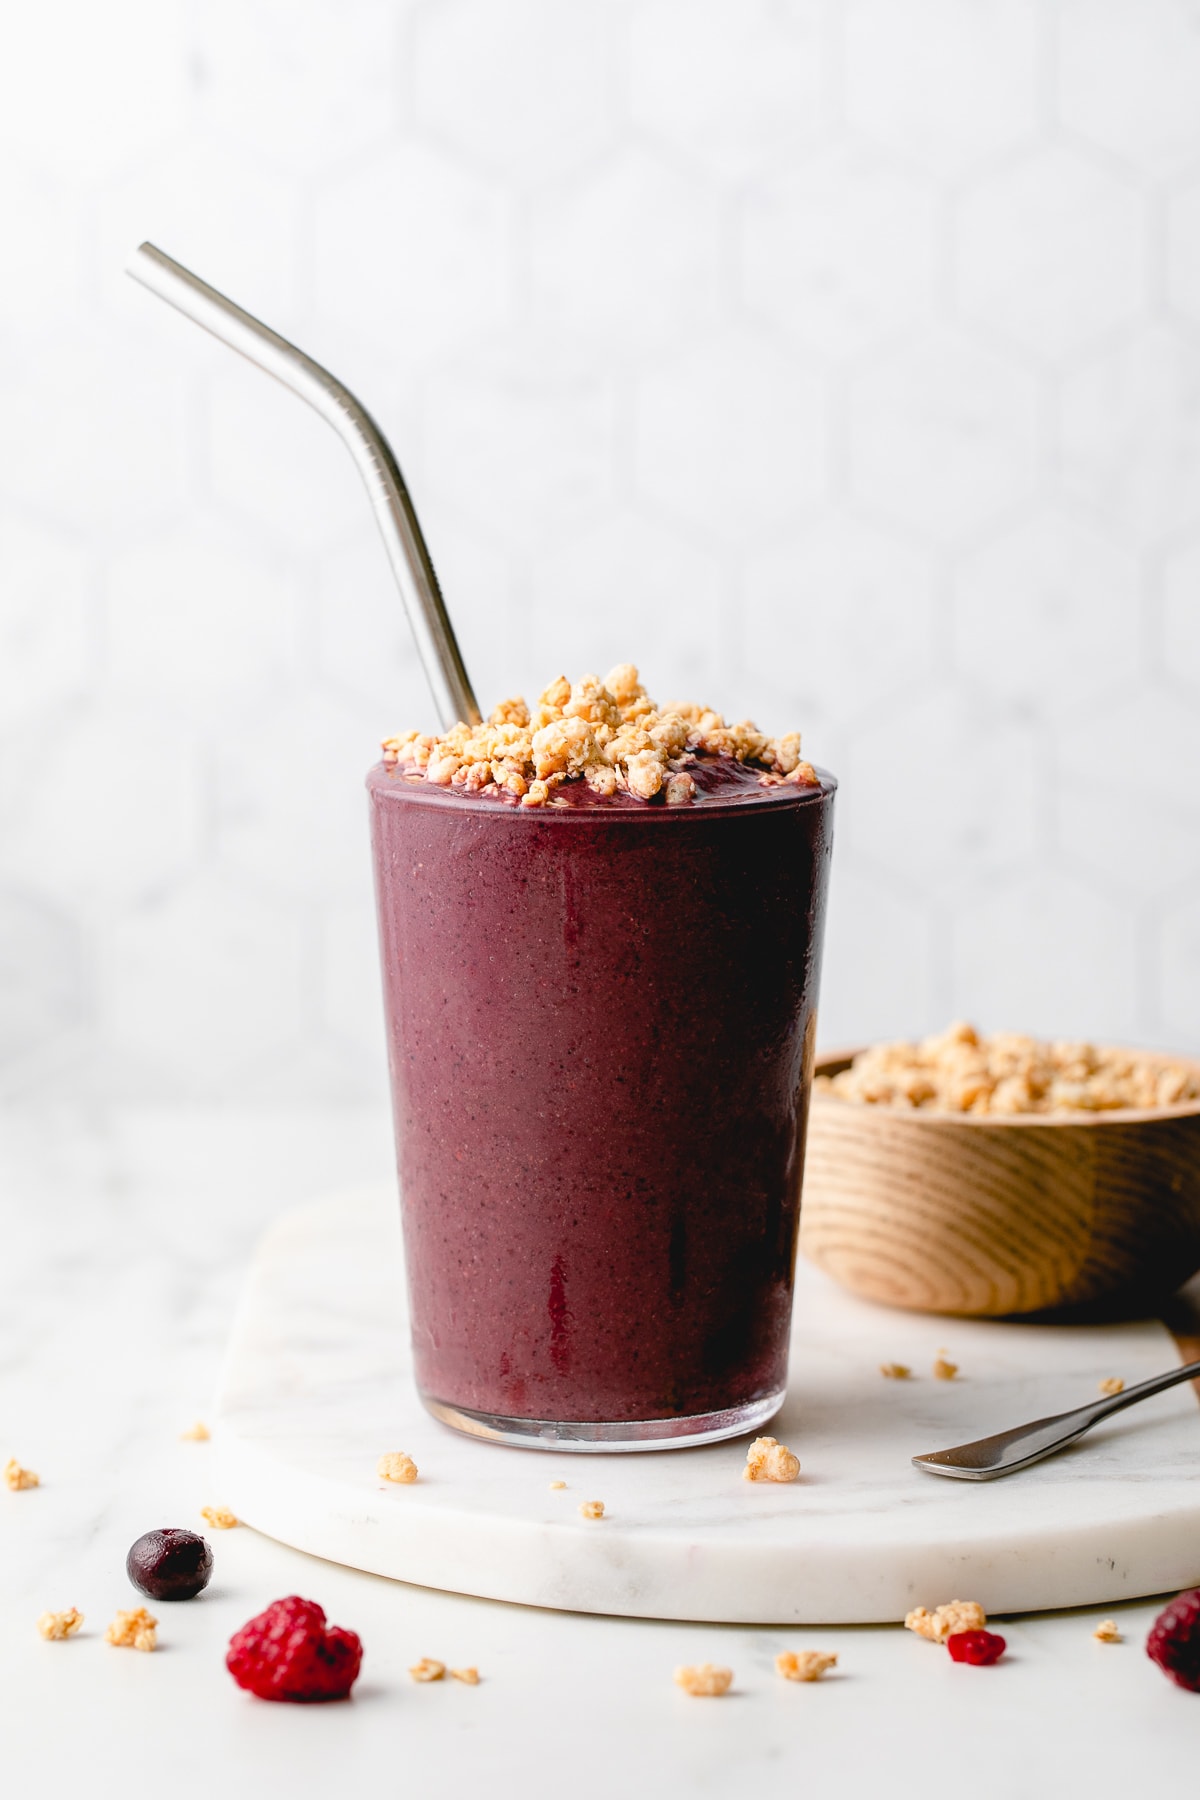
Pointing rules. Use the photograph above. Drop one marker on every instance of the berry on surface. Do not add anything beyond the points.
(289, 1653)
(1174, 1641)
(171, 1564)
(979, 1647)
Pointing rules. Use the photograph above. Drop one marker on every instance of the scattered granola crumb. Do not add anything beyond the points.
(895, 1371)
(195, 1434)
(219, 1517)
(1106, 1632)
(769, 1460)
(428, 1669)
(804, 1665)
(608, 733)
(703, 1678)
(943, 1370)
(470, 1676)
(397, 1465)
(1112, 1384)
(592, 1509)
(17, 1478)
(557, 1484)
(55, 1626)
(946, 1621)
(960, 1071)
(135, 1630)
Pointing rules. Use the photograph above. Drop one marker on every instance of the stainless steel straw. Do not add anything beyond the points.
(394, 510)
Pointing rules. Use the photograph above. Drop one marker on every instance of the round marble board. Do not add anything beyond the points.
(318, 1385)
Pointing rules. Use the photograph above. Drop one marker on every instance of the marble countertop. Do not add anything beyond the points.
(126, 1238)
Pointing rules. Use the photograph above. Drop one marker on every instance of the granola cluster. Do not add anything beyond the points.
(55, 1627)
(946, 1621)
(960, 1071)
(707, 1680)
(769, 1460)
(17, 1479)
(397, 1466)
(608, 733)
(133, 1630)
(804, 1665)
(219, 1517)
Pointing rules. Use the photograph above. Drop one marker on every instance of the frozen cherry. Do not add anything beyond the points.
(171, 1564)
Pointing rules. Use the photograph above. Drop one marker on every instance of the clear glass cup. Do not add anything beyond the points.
(601, 1023)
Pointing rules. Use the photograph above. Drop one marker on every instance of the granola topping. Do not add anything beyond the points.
(943, 1370)
(55, 1626)
(133, 1630)
(17, 1478)
(1106, 1632)
(707, 1679)
(1112, 1384)
(397, 1465)
(946, 1621)
(428, 1669)
(804, 1665)
(895, 1371)
(769, 1460)
(592, 1509)
(469, 1676)
(219, 1517)
(959, 1071)
(195, 1434)
(608, 735)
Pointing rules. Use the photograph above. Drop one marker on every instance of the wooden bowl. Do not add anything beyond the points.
(982, 1216)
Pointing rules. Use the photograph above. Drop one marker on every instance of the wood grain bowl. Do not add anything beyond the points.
(1094, 1214)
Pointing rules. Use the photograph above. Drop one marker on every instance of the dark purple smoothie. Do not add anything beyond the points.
(601, 1018)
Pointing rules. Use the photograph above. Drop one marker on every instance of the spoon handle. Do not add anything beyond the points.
(1019, 1448)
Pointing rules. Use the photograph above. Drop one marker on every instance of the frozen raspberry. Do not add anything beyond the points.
(171, 1564)
(976, 1646)
(289, 1653)
(1174, 1641)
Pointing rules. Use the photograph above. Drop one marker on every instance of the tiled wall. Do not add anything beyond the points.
(837, 360)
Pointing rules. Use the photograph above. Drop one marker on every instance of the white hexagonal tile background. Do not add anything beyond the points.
(943, 83)
(1052, 251)
(731, 84)
(529, 90)
(630, 256)
(731, 438)
(843, 250)
(1046, 612)
(1128, 78)
(943, 436)
(836, 360)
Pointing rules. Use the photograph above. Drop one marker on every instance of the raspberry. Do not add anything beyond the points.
(1174, 1641)
(289, 1653)
(978, 1647)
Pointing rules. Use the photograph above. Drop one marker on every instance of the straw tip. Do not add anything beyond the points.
(139, 255)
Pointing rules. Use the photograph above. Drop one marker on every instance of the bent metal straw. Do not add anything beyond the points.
(402, 536)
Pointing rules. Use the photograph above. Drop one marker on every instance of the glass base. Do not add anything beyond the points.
(625, 1434)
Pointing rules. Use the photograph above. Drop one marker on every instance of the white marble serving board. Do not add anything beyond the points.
(318, 1384)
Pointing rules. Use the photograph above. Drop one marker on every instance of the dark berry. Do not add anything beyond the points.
(171, 1564)
(980, 1647)
(1174, 1641)
(289, 1653)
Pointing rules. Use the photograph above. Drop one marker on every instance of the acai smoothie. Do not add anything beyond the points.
(601, 931)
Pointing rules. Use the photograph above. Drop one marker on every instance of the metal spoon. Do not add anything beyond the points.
(1024, 1445)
